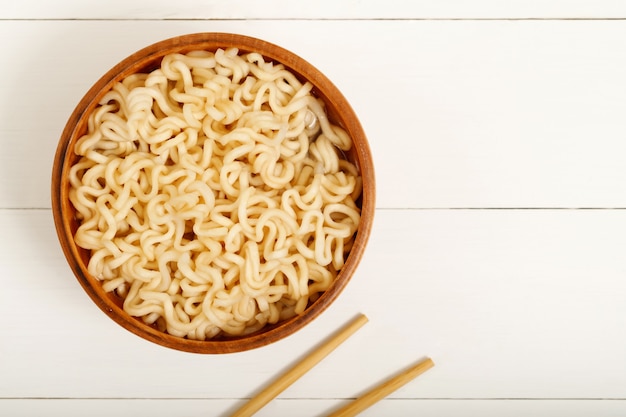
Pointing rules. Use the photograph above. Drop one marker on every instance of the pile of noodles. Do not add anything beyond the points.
(213, 195)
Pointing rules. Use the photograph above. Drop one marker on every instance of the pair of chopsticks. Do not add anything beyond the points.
(352, 409)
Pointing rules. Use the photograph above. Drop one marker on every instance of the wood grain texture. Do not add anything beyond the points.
(313, 407)
(321, 9)
(473, 114)
(508, 303)
(467, 105)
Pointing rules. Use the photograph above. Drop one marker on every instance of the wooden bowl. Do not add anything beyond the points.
(339, 112)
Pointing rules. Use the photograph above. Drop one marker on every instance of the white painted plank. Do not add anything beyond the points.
(320, 9)
(308, 407)
(458, 113)
(508, 303)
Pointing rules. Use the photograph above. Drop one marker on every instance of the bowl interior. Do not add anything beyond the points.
(339, 112)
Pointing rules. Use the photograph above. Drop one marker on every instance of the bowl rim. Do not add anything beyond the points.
(142, 59)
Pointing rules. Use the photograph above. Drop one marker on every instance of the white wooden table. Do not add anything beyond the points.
(499, 248)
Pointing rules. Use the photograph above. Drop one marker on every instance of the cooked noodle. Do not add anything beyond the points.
(213, 195)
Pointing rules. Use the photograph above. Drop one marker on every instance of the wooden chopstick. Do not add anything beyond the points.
(381, 391)
(292, 375)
